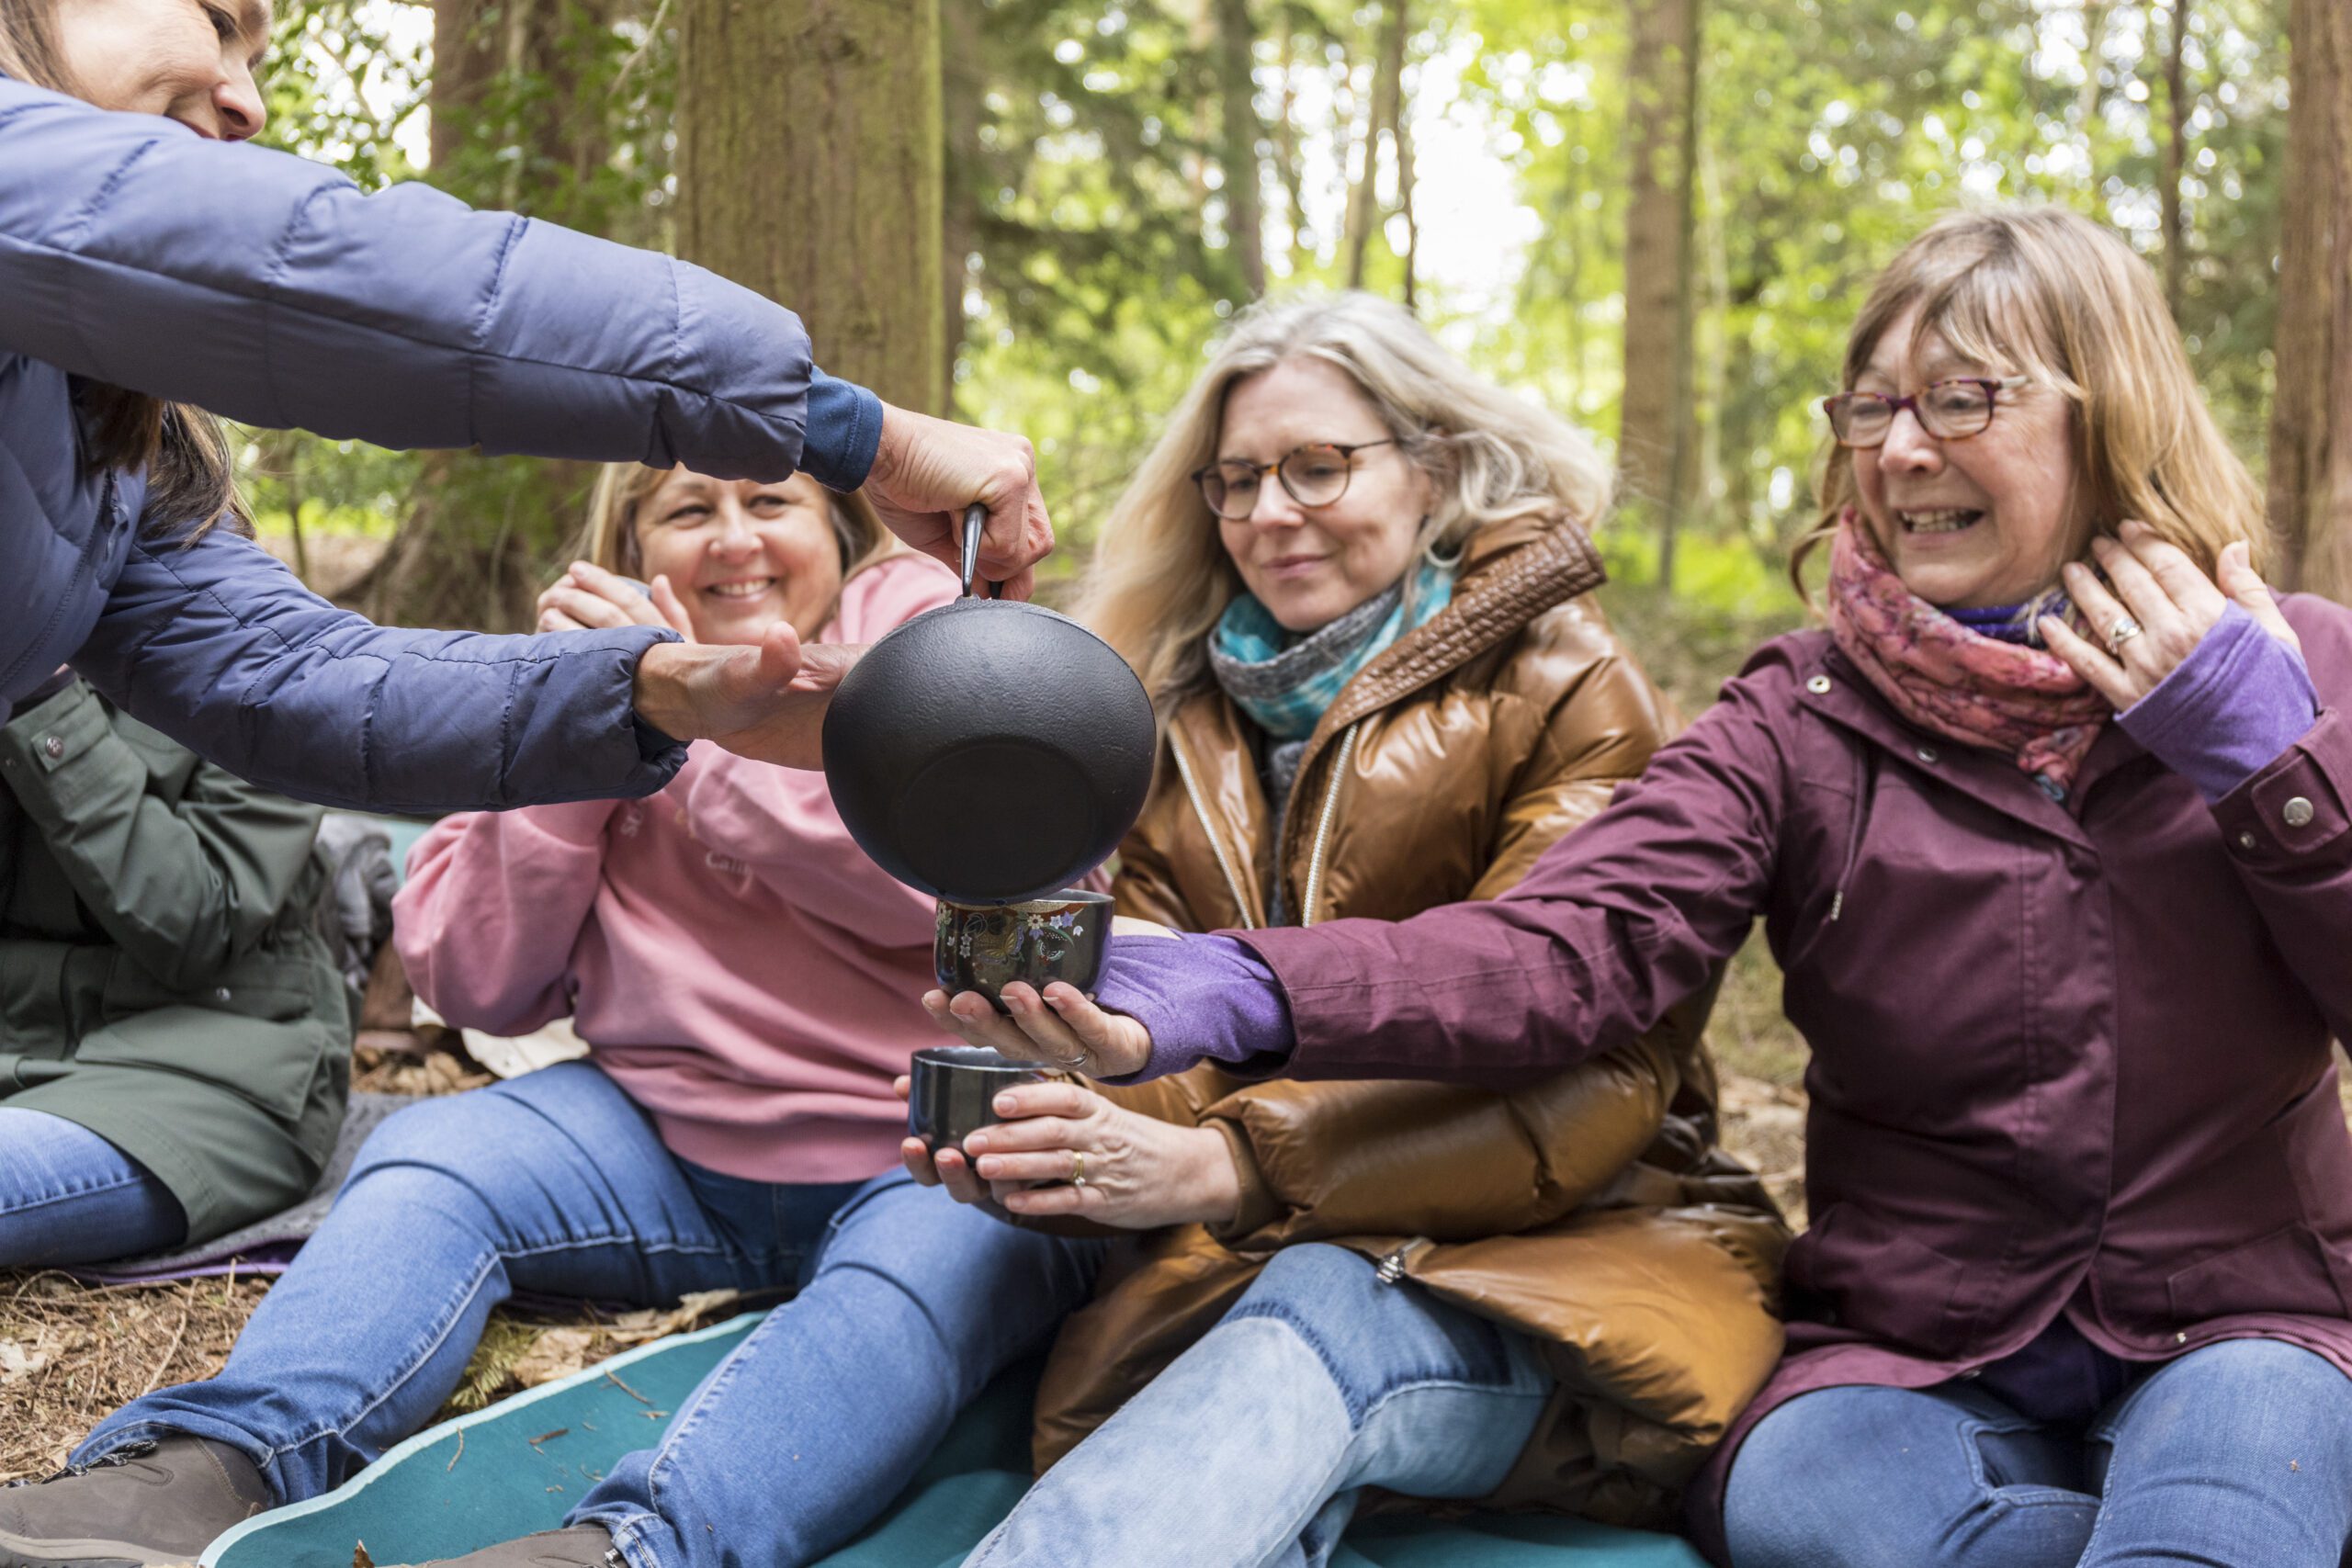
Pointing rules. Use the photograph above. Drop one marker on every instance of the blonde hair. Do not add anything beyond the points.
(2066, 302)
(609, 538)
(1162, 577)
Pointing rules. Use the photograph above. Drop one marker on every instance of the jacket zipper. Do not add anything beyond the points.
(1216, 846)
(1390, 1270)
(1323, 826)
(1865, 795)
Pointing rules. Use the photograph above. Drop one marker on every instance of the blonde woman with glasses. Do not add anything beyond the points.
(2048, 831)
(1357, 580)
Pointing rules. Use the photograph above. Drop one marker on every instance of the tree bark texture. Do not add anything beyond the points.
(1660, 73)
(811, 168)
(2176, 241)
(1388, 99)
(2310, 423)
(471, 548)
(1240, 131)
(963, 103)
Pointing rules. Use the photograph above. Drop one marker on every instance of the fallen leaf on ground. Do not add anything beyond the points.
(557, 1353)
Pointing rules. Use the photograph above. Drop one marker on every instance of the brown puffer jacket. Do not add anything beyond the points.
(1594, 1212)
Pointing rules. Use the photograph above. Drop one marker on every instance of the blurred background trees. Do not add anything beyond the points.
(1656, 216)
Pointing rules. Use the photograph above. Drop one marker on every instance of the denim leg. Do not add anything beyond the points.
(1251, 1448)
(1866, 1477)
(821, 1415)
(69, 1196)
(554, 1182)
(2237, 1453)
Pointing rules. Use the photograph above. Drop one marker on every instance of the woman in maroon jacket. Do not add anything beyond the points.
(2079, 1281)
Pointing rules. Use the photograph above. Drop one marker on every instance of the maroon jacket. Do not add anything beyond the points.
(2065, 1056)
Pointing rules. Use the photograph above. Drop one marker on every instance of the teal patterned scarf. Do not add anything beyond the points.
(1285, 681)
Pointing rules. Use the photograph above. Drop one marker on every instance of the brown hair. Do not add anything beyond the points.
(191, 472)
(2065, 302)
(609, 538)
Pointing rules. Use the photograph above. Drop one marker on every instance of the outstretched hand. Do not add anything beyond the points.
(926, 471)
(765, 701)
(1062, 1029)
(2153, 609)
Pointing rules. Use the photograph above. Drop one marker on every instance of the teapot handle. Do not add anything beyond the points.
(976, 517)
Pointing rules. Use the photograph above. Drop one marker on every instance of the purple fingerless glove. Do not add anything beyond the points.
(2228, 710)
(1203, 997)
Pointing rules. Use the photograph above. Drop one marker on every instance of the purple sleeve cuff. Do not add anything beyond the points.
(2230, 709)
(1203, 997)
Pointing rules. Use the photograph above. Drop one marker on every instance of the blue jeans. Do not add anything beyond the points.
(1254, 1445)
(68, 1196)
(556, 1183)
(2238, 1454)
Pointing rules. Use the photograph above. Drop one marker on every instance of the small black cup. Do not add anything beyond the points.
(986, 947)
(954, 1089)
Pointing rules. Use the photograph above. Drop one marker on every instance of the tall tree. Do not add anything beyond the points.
(1387, 113)
(520, 102)
(1654, 418)
(963, 104)
(811, 167)
(2176, 158)
(1240, 130)
(2310, 424)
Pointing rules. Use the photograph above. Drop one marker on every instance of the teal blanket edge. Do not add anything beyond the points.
(521, 1464)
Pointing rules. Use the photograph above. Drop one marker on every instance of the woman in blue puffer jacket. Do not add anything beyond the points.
(148, 262)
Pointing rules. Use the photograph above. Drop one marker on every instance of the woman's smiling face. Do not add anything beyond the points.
(1972, 523)
(742, 555)
(192, 61)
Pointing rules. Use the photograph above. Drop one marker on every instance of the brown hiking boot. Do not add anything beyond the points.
(143, 1507)
(582, 1546)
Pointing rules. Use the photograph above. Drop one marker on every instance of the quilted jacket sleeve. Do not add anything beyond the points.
(277, 292)
(220, 647)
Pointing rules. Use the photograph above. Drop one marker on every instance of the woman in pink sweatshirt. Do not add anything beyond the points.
(747, 982)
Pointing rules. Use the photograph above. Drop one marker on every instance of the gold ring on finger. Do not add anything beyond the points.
(1076, 1168)
(2124, 629)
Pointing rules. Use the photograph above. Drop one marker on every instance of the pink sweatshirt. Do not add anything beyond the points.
(732, 959)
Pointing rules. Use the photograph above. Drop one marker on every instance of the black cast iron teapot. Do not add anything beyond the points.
(989, 751)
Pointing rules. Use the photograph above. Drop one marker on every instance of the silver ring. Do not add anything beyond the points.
(1076, 1168)
(2124, 629)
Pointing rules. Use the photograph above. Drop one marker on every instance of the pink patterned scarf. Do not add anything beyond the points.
(1978, 690)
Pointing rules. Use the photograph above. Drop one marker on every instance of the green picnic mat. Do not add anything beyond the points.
(521, 1464)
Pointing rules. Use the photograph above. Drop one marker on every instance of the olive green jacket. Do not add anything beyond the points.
(164, 981)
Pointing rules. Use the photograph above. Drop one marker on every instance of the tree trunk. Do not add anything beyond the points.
(1403, 137)
(2311, 420)
(1286, 158)
(1652, 420)
(1238, 133)
(1387, 90)
(2175, 245)
(465, 60)
(811, 169)
(963, 91)
(2094, 41)
(476, 532)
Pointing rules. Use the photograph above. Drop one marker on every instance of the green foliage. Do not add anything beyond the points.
(1085, 181)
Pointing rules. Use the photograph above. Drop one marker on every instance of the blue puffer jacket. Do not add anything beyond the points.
(275, 291)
